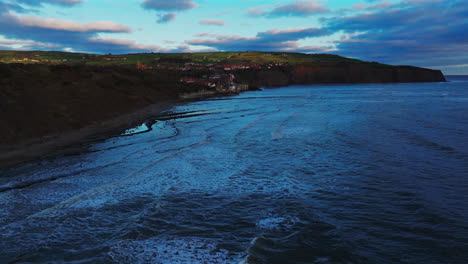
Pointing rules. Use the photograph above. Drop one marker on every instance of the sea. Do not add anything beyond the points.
(361, 173)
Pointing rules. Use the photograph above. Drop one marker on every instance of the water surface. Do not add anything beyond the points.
(305, 174)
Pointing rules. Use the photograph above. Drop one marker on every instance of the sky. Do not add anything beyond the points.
(426, 33)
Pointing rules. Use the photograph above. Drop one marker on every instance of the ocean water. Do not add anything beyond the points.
(304, 174)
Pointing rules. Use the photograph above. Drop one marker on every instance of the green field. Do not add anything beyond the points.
(55, 57)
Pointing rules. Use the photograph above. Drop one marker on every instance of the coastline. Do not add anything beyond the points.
(77, 140)
(74, 141)
(58, 109)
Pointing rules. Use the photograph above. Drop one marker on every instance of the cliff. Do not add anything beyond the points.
(336, 74)
(39, 99)
(364, 73)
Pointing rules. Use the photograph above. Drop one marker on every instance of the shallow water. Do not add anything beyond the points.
(306, 174)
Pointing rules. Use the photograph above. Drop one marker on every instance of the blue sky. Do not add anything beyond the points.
(427, 33)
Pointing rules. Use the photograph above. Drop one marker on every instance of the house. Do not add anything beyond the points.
(188, 80)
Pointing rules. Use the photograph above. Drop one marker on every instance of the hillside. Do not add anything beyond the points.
(56, 57)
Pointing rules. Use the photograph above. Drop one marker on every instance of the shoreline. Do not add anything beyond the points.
(57, 110)
(74, 141)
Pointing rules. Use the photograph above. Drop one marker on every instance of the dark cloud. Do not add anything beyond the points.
(298, 8)
(415, 32)
(52, 2)
(421, 32)
(169, 5)
(164, 6)
(166, 18)
(273, 40)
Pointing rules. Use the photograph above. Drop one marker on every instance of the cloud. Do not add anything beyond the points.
(297, 8)
(421, 32)
(292, 34)
(35, 33)
(169, 5)
(212, 22)
(66, 3)
(224, 12)
(453, 66)
(166, 18)
(257, 11)
(116, 44)
(165, 6)
(359, 6)
(272, 40)
(363, 6)
(66, 25)
(380, 5)
(187, 49)
(25, 44)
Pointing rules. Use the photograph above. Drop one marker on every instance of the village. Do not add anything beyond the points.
(220, 79)
(217, 75)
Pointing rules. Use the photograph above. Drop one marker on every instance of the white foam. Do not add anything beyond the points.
(135, 130)
(277, 223)
(173, 250)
